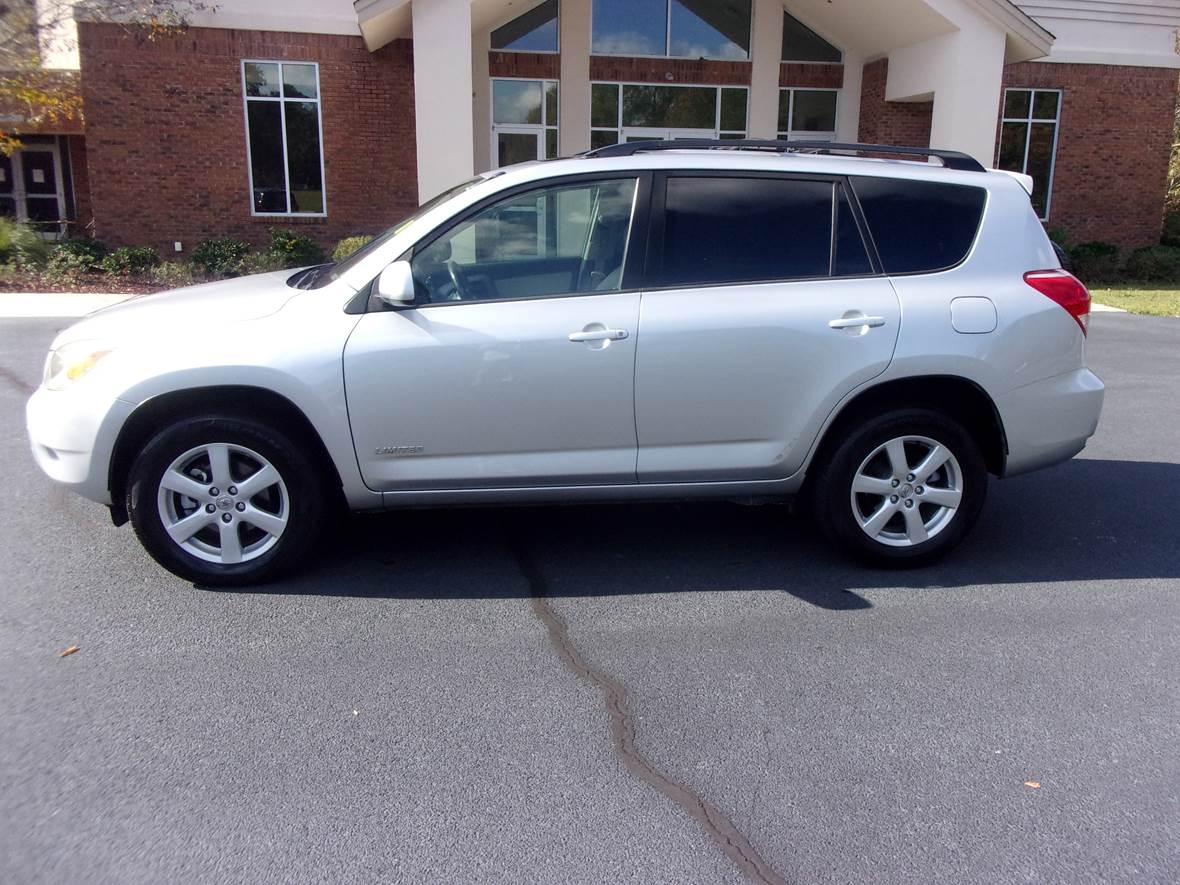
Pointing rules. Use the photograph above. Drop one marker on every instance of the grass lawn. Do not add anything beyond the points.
(1150, 298)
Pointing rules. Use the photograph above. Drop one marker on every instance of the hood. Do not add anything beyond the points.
(203, 306)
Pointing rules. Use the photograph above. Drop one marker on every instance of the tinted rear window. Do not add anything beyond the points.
(731, 230)
(920, 226)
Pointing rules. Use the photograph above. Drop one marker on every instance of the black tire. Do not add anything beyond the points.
(832, 497)
(304, 508)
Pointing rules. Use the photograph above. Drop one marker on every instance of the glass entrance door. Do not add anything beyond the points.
(31, 186)
(517, 145)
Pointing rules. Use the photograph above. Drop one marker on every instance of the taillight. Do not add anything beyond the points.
(1066, 289)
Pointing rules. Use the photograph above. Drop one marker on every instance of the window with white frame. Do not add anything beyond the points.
(532, 31)
(621, 112)
(807, 114)
(672, 28)
(284, 137)
(524, 120)
(1028, 139)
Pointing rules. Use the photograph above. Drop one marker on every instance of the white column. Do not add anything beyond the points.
(442, 94)
(766, 48)
(963, 72)
(481, 106)
(848, 107)
(967, 104)
(574, 91)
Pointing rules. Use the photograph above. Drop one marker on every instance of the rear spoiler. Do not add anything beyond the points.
(1026, 181)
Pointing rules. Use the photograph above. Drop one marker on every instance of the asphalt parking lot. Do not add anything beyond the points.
(654, 693)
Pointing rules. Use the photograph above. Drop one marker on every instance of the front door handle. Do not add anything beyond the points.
(853, 322)
(599, 335)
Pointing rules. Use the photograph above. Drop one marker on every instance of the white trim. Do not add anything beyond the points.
(1028, 120)
(1017, 24)
(282, 102)
(1115, 57)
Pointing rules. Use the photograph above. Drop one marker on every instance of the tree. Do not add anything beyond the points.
(32, 29)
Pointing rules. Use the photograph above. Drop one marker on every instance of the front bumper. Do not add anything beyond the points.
(73, 435)
(1049, 421)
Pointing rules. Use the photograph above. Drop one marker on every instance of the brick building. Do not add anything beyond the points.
(339, 117)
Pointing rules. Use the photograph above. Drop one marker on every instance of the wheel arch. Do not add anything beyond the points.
(959, 398)
(238, 401)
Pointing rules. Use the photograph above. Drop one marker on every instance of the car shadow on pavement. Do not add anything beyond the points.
(1084, 520)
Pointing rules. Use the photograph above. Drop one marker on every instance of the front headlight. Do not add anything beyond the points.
(72, 361)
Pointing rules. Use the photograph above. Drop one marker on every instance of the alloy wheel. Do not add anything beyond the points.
(907, 491)
(223, 503)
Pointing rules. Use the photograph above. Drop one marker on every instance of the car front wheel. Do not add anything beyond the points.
(903, 489)
(223, 501)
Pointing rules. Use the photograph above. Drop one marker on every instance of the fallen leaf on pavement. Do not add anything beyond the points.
(69, 651)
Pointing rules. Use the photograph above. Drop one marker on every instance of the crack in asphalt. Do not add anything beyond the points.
(732, 842)
(16, 381)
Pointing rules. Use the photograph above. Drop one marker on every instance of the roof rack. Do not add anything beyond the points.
(950, 159)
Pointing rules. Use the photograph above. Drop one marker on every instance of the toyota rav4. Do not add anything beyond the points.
(870, 336)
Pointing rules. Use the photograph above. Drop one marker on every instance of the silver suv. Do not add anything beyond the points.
(728, 319)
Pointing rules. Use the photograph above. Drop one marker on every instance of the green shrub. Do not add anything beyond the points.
(87, 247)
(63, 263)
(260, 262)
(349, 245)
(1171, 235)
(128, 260)
(173, 273)
(1155, 264)
(293, 249)
(21, 245)
(1094, 261)
(1058, 234)
(220, 256)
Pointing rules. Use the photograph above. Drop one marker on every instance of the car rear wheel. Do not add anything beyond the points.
(903, 489)
(223, 501)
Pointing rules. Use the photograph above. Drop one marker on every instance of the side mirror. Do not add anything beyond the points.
(395, 286)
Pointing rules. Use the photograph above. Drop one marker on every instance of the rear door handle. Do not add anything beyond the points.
(856, 321)
(599, 335)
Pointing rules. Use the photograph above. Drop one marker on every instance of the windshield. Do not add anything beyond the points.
(317, 277)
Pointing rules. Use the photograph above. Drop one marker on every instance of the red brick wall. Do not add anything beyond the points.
(1113, 141)
(79, 172)
(542, 65)
(891, 122)
(166, 141)
(669, 70)
(811, 75)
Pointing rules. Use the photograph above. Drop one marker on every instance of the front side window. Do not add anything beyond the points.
(920, 226)
(534, 31)
(1028, 139)
(807, 114)
(732, 229)
(560, 240)
(524, 120)
(283, 137)
(717, 29)
(637, 112)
